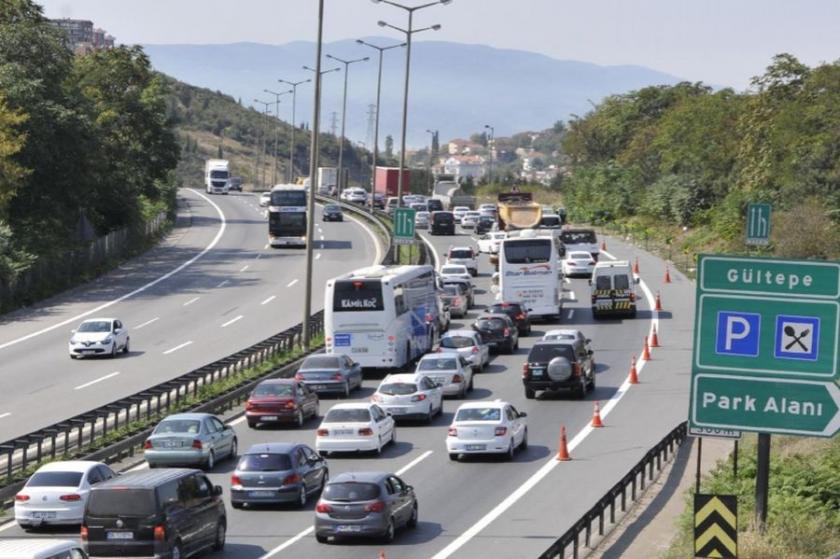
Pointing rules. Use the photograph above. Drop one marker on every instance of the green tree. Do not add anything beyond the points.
(389, 147)
(11, 142)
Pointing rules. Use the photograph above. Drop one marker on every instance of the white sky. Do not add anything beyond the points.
(721, 42)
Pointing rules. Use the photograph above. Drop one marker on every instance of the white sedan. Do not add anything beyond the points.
(454, 271)
(470, 220)
(487, 428)
(578, 263)
(265, 199)
(489, 243)
(459, 212)
(355, 427)
(57, 493)
(451, 371)
(469, 345)
(99, 336)
(409, 396)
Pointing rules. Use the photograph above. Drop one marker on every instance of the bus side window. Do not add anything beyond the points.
(399, 305)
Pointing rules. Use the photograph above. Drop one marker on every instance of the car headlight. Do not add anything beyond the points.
(74, 341)
(107, 340)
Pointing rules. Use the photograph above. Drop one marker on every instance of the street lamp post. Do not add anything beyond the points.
(277, 96)
(492, 143)
(292, 131)
(319, 73)
(376, 125)
(434, 134)
(347, 64)
(260, 148)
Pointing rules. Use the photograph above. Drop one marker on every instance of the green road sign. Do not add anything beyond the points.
(774, 325)
(792, 407)
(758, 224)
(403, 225)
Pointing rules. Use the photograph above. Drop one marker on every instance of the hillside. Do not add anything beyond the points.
(456, 88)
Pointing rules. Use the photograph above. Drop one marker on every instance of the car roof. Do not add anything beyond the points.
(571, 252)
(492, 315)
(81, 466)
(144, 479)
(562, 332)
(484, 404)
(464, 332)
(352, 406)
(26, 548)
(278, 381)
(400, 377)
(364, 477)
(198, 416)
(272, 448)
(437, 356)
(542, 343)
(100, 319)
(460, 247)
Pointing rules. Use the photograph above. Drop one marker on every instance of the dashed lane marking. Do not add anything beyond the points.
(232, 321)
(177, 347)
(100, 379)
(155, 319)
(270, 299)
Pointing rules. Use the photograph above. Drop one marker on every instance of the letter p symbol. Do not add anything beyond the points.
(738, 333)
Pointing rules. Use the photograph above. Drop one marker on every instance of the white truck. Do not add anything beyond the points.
(217, 176)
(327, 180)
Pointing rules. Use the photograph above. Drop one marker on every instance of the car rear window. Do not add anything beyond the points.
(455, 342)
(621, 282)
(358, 295)
(578, 237)
(442, 217)
(545, 353)
(398, 388)
(452, 270)
(265, 462)
(505, 308)
(320, 362)
(55, 479)
(121, 502)
(273, 389)
(490, 323)
(351, 491)
(192, 426)
(479, 414)
(347, 416)
(452, 289)
(463, 253)
(528, 251)
(436, 364)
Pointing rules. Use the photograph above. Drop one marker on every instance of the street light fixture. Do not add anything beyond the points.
(376, 125)
(277, 96)
(347, 64)
(318, 73)
(260, 149)
(294, 125)
(491, 142)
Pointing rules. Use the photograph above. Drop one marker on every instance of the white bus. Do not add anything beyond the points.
(529, 273)
(287, 216)
(381, 316)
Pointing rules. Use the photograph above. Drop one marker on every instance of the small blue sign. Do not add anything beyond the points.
(738, 333)
(797, 337)
(343, 340)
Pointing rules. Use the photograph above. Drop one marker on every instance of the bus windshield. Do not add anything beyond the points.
(527, 251)
(296, 198)
(358, 295)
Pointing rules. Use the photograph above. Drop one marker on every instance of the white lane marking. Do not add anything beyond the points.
(237, 421)
(292, 541)
(322, 237)
(270, 299)
(7, 414)
(224, 283)
(139, 289)
(266, 245)
(259, 255)
(571, 314)
(566, 280)
(155, 319)
(231, 321)
(552, 463)
(177, 347)
(191, 301)
(7, 525)
(100, 379)
(244, 268)
(318, 256)
(291, 283)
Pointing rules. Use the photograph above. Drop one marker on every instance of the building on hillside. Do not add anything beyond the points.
(463, 166)
(81, 36)
(464, 147)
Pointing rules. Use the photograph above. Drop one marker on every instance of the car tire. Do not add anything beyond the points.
(581, 390)
(176, 550)
(453, 456)
(126, 348)
(234, 449)
(524, 444)
(321, 539)
(302, 498)
(114, 350)
(430, 415)
(299, 419)
(221, 532)
(592, 382)
(530, 393)
(210, 462)
(73, 356)
(378, 450)
(390, 532)
(509, 349)
(393, 440)
(412, 520)
(347, 389)
(236, 505)
(253, 424)
(323, 453)
(470, 386)
(511, 452)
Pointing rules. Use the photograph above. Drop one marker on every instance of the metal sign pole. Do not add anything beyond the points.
(762, 481)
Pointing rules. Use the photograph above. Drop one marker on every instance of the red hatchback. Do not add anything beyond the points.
(281, 401)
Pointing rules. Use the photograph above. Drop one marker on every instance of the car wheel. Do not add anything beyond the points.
(511, 451)
(299, 419)
(530, 393)
(323, 453)
(393, 440)
(390, 532)
(324, 481)
(253, 424)
(211, 461)
(221, 532)
(378, 450)
(524, 444)
(302, 497)
(114, 349)
(453, 456)
(581, 390)
(321, 539)
(430, 415)
(470, 386)
(126, 348)
(176, 550)
(73, 356)
(347, 389)
(592, 381)
(412, 520)
(509, 349)
(236, 504)
(234, 449)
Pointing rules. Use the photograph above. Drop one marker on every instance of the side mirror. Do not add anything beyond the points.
(636, 279)
(590, 353)
(590, 282)
(217, 490)
(587, 340)
(72, 331)
(523, 414)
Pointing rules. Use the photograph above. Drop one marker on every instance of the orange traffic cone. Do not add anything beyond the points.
(658, 303)
(667, 275)
(603, 245)
(654, 339)
(636, 266)
(646, 351)
(634, 376)
(563, 450)
(381, 554)
(596, 417)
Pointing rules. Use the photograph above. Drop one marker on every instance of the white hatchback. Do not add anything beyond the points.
(57, 493)
(454, 271)
(41, 548)
(490, 242)
(469, 345)
(487, 428)
(459, 212)
(451, 371)
(409, 396)
(99, 336)
(355, 427)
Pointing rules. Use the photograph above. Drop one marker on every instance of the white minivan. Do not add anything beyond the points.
(31, 548)
(613, 289)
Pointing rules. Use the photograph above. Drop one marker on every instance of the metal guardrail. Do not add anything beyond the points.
(635, 480)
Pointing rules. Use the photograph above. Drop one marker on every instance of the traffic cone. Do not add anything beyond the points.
(636, 266)
(634, 376)
(658, 303)
(667, 275)
(381, 554)
(603, 245)
(646, 351)
(654, 339)
(563, 450)
(596, 417)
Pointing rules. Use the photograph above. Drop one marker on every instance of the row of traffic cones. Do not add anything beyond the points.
(667, 278)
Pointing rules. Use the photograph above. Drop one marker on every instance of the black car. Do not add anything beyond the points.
(485, 224)
(443, 223)
(517, 314)
(434, 205)
(160, 513)
(559, 366)
(235, 183)
(498, 331)
(379, 201)
(332, 212)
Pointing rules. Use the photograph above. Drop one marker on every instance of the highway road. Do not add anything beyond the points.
(484, 507)
(213, 287)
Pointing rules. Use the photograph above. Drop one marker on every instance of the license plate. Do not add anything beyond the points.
(43, 515)
(476, 447)
(120, 535)
(346, 529)
(440, 380)
(342, 431)
(397, 411)
(536, 372)
(359, 350)
(260, 493)
(269, 418)
(318, 386)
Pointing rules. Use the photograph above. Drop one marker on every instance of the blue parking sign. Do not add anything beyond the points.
(738, 333)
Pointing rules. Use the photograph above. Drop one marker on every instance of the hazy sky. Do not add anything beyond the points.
(722, 42)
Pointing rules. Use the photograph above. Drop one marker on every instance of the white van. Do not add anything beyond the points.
(41, 549)
(613, 289)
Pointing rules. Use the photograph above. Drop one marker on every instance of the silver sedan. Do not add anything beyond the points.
(190, 439)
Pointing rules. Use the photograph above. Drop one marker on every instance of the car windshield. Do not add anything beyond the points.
(505, 308)
(479, 414)
(351, 491)
(527, 251)
(121, 502)
(441, 217)
(460, 253)
(268, 462)
(436, 364)
(490, 323)
(453, 270)
(577, 237)
(55, 479)
(456, 342)
(547, 352)
(344, 415)
(95, 326)
(559, 336)
(191, 426)
(296, 198)
(398, 388)
(452, 289)
(320, 362)
(273, 389)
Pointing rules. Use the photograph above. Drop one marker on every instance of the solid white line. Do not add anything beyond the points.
(139, 289)
(318, 256)
(7, 525)
(224, 283)
(177, 347)
(7, 414)
(291, 283)
(100, 379)
(552, 463)
(191, 301)
(231, 321)
(270, 299)
(155, 319)
(292, 541)
(571, 314)
(244, 268)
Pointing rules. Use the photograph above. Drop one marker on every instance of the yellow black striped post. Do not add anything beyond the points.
(716, 526)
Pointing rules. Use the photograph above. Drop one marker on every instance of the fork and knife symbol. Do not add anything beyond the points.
(797, 338)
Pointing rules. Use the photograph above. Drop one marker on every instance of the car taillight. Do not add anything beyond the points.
(160, 532)
(506, 332)
(290, 479)
(323, 432)
(500, 431)
(453, 432)
(235, 480)
(376, 506)
(197, 444)
(526, 371)
(457, 378)
(439, 350)
(365, 432)
(520, 316)
(418, 397)
(594, 299)
(290, 405)
(249, 405)
(147, 445)
(71, 497)
(576, 369)
(323, 507)
(83, 533)
(337, 376)
(21, 498)
(632, 296)
(298, 376)
(475, 349)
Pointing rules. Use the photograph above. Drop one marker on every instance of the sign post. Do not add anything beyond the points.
(403, 226)
(758, 224)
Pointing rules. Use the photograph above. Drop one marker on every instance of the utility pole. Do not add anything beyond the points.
(261, 149)
(491, 143)
(334, 124)
(276, 127)
(347, 64)
(294, 125)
